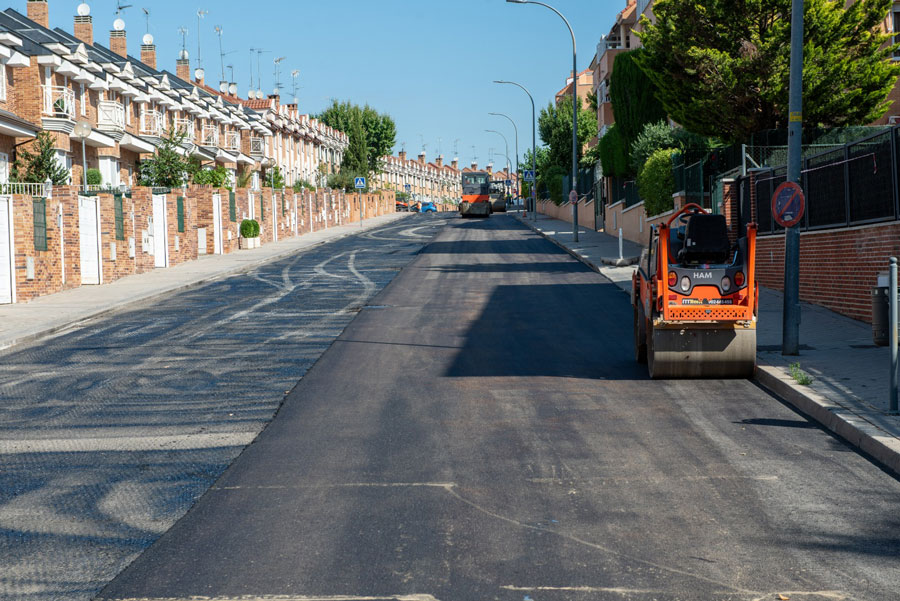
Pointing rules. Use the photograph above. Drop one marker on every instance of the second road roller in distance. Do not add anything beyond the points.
(695, 299)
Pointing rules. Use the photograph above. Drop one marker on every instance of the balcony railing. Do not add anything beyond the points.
(26, 189)
(151, 123)
(232, 140)
(210, 135)
(257, 147)
(59, 101)
(185, 126)
(111, 115)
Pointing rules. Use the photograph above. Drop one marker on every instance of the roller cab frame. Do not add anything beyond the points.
(476, 194)
(695, 299)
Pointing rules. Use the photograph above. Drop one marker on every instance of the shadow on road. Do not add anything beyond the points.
(560, 330)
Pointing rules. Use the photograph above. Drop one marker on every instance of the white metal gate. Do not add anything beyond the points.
(7, 284)
(89, 239)
(160, 231)
(217, 224)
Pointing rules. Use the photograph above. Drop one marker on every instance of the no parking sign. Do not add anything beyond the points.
(788, 204)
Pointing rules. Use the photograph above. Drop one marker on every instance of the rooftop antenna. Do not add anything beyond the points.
(120, 7)
(277, 75)
(218, 29)
(183, 31)
(294, 75)
(474, 156)
(259, 93)
(440, 140)
(456, 147)
(147, 17)
(200, 14)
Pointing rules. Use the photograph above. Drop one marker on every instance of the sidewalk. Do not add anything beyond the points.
(849, 392)
(23, 322)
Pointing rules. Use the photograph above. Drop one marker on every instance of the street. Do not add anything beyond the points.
(480, 430)
(112, 430)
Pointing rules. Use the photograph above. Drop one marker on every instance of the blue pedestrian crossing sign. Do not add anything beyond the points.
(360, 182)
(508, 183)
(408, 187)
(529, 175)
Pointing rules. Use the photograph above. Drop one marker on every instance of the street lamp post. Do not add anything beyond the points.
(533, 147)
(494, 131)
(574, 112)
(516, 129)
(82, 130)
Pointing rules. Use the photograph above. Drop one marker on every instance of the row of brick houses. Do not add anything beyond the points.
(431, 181)
(57, 237)
(53, 79)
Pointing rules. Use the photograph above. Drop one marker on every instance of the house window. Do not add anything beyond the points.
(4, 168)
(127, 110)
(2, 82)
(895, 22)
(83, 98)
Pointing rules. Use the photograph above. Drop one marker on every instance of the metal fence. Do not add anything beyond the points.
(853, 184)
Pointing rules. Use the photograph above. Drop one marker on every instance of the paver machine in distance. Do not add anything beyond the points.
(695, 299)
(476, 194)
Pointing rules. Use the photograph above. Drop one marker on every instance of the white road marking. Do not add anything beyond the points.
(178, 442)
(285, 598)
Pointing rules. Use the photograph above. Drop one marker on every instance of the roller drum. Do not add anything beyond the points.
(701, 353)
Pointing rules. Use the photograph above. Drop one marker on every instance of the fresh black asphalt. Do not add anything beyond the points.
(110, 432)
(480, 431)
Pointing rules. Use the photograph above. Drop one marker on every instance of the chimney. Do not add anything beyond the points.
(402, 155)
(117, 41)
(39, 12)
(474, 166)
(455, 163)
(148, 51)
(84, 24)
(183, 69)
(422, 157)
(439, 161)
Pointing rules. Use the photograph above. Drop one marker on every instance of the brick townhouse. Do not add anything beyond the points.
(53, 239)
(432, 181)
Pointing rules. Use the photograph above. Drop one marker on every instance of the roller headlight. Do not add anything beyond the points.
(726, 284)
(685, 283)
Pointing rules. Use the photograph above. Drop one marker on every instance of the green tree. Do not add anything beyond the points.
(167, 168)
(555, 129)
(657, 136)
(216, 177)
(613, 159)
(656, 182)
(274, 178)
(721, 66)
(38, 165)
(633, 97)
(367, 130)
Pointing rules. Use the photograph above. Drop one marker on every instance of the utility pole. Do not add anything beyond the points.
(790, 341)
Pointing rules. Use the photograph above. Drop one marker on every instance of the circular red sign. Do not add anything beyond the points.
(788, 204)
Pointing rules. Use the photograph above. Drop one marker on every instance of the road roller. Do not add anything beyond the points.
(695, 299)
(476, 194)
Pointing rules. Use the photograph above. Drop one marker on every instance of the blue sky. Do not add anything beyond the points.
(429, 64)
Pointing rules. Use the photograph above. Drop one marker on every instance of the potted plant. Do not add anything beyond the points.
(249, 233)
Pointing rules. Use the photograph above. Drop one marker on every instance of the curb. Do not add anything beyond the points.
(837, 419)
(158, 294)
(617, 262)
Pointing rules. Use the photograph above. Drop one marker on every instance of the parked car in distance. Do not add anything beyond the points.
(428, 207)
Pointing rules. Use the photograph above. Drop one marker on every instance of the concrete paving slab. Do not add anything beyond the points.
(24, 322)
(849, 389)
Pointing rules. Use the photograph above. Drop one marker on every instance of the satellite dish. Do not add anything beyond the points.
(147, 39)
(119, 25)
(83, 10)
(223, 86)
(232, 89)
(183, 55)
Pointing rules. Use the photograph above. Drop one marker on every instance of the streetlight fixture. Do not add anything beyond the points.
(82, 130)
(533, 146)
(516, 129)
(575, 108)
(494, 131)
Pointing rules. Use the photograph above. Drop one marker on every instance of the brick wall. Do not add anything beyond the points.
(837, 267)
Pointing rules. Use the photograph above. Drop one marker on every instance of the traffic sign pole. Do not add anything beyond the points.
(790, 340)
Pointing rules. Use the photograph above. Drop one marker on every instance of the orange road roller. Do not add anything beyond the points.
(695, 299)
